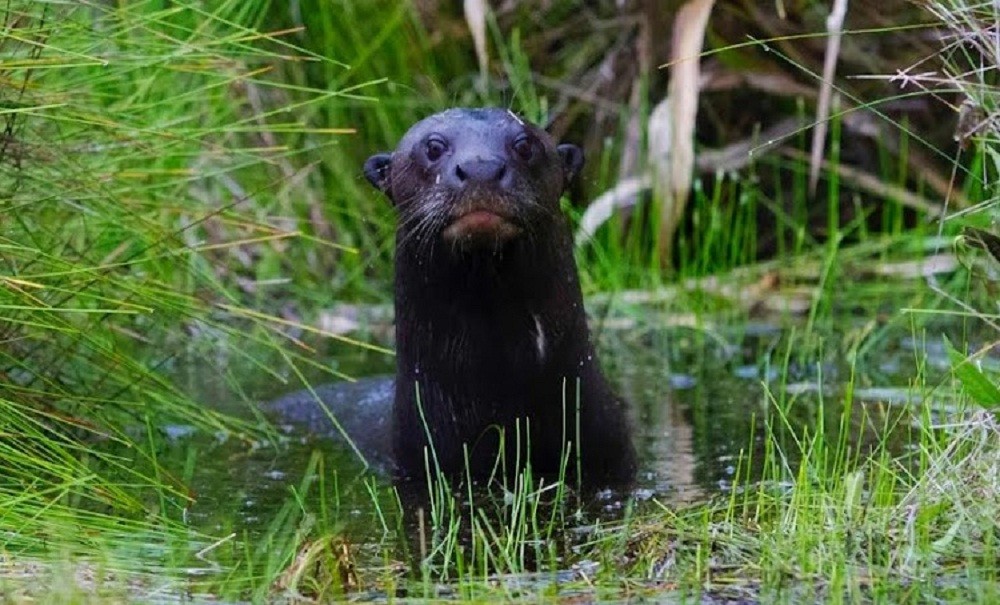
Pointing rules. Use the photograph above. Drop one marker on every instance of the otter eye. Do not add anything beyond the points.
(435, 148)
(522, 147)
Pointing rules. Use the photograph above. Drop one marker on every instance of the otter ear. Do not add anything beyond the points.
(572, 160)
(377, 171)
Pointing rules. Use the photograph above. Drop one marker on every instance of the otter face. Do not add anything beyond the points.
(474, 177)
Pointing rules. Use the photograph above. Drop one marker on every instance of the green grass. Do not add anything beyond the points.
(833, 510)
(134, 191)
(172, 174)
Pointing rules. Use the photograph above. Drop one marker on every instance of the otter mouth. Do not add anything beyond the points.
(481, 225)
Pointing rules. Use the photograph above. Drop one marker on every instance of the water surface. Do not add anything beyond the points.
(701, 403)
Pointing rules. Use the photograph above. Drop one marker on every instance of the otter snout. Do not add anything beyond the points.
(482, 214)
(480, 171)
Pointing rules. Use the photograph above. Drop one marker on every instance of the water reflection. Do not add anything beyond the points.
(699, 407)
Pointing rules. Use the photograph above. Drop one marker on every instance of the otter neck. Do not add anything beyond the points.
(482, 324)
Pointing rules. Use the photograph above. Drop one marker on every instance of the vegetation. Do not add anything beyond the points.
(181, 199)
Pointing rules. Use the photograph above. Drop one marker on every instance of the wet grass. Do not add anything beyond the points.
(827, 507)
(170, 176)
(123, 161)
(838, 501)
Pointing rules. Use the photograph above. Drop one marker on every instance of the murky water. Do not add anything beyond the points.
(701, 399)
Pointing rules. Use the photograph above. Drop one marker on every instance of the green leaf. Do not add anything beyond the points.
(974, 382)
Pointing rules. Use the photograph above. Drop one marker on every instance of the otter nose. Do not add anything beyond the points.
(480, 170)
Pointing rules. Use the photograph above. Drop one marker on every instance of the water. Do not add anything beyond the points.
(702, 398)
(701, 403)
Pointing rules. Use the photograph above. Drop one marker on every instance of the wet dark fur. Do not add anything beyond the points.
(470, 360)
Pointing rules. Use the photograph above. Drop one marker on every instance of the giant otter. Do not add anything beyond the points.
(493, 350)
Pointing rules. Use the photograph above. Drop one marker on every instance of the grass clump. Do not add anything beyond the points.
(145, 149)
(836, 509)
(866, 531)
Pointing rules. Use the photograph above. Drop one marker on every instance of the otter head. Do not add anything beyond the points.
(474, 178)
